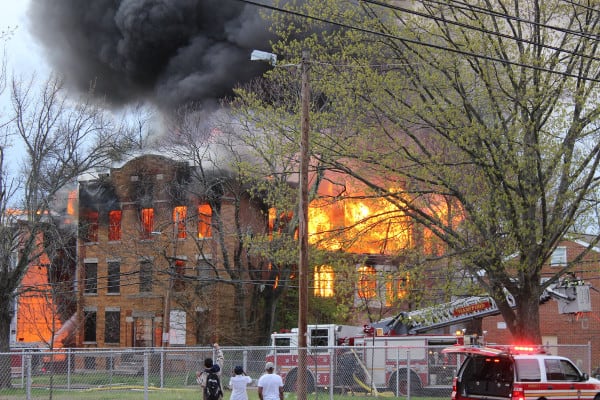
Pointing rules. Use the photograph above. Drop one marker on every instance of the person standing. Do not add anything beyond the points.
(238, 383)
(211, 369)
(270, 385)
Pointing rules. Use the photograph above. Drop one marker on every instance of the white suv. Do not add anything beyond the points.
(519, 373)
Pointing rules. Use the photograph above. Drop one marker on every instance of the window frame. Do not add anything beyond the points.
(113, 277)
(112, 326)
(91, 278)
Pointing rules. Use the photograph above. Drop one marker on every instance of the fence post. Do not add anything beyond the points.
(162, 367)
(408, 375)
(332, 358)
(28, 379)
(146, 367)
(397, 373)
(69, 368)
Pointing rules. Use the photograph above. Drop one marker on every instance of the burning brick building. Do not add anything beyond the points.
(151, 264)
(156, 245)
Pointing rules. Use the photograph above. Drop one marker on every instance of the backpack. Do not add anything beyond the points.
(212, 390)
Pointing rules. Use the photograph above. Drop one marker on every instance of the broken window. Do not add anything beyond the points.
(90, 226)
(367, 282)
(179, 217)
(204, 221)
(114, 225)
(147, 220)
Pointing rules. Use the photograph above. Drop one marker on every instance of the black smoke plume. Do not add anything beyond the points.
(169, 52)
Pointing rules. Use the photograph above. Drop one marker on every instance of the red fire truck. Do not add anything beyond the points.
(395, 354)
(382, 355)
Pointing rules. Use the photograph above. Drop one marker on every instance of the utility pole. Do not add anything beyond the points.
(303, 266)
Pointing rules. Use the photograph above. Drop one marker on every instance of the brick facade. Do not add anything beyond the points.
(128, 285)
(563, 329)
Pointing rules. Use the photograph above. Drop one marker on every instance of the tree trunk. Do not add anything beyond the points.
(526, 327)
(6, 313)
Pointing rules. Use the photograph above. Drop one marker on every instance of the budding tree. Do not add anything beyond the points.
(477, 120)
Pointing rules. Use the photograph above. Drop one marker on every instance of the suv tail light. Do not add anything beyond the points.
(454, 395)
(518, 393)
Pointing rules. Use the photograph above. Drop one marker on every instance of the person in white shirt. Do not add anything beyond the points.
(270, 385)
(238, 383)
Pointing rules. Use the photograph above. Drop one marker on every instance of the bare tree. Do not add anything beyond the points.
(57, 139)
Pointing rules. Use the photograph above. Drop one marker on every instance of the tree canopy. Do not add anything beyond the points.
(476, 120)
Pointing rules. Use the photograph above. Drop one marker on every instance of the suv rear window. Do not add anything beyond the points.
(488, 376)
(528, 370)
(489, 368)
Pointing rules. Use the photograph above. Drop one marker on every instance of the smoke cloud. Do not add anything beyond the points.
(169, 52)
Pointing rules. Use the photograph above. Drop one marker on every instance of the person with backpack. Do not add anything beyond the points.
(238, 383)
(210, 378)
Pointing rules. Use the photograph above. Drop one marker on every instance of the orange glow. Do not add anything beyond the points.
(278, 221)
(323, 281)
(346, 217)
(147, 216)
(204, 221)
(396, 288)
(72, 202)
(114, 225)
(357, 223)
(179, 218)
(449, 214)
(37, 316)
(367, 282)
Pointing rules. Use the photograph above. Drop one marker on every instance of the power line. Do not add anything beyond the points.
(490, 32)
(420, 43)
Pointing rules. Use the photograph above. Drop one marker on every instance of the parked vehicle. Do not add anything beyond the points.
(518, 373)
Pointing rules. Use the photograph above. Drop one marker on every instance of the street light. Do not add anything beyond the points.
(303, 266)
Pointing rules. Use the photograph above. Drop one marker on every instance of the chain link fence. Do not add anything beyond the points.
(403, 371)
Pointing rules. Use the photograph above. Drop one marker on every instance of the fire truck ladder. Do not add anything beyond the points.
(418, 321)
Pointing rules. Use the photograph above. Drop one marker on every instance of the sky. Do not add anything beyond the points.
(25, 56)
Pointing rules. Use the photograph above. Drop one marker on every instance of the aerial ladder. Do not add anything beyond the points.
(572, 295)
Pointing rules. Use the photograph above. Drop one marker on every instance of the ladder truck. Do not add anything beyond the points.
(395, 354)
(390, 355)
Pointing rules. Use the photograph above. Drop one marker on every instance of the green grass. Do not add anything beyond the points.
(135, 393)
(177, 387)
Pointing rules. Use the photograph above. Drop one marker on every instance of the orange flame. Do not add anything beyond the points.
(357, 223)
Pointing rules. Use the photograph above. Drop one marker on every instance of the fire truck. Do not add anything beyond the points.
(389, 355)
(395, 354)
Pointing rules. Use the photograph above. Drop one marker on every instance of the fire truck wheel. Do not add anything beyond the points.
(290, 382)
(402, 389)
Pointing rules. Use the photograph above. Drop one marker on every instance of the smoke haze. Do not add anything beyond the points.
(169, 52)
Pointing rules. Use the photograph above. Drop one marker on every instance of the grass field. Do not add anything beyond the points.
(135, 393)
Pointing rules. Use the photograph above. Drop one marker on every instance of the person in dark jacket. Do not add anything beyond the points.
(209, 367)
